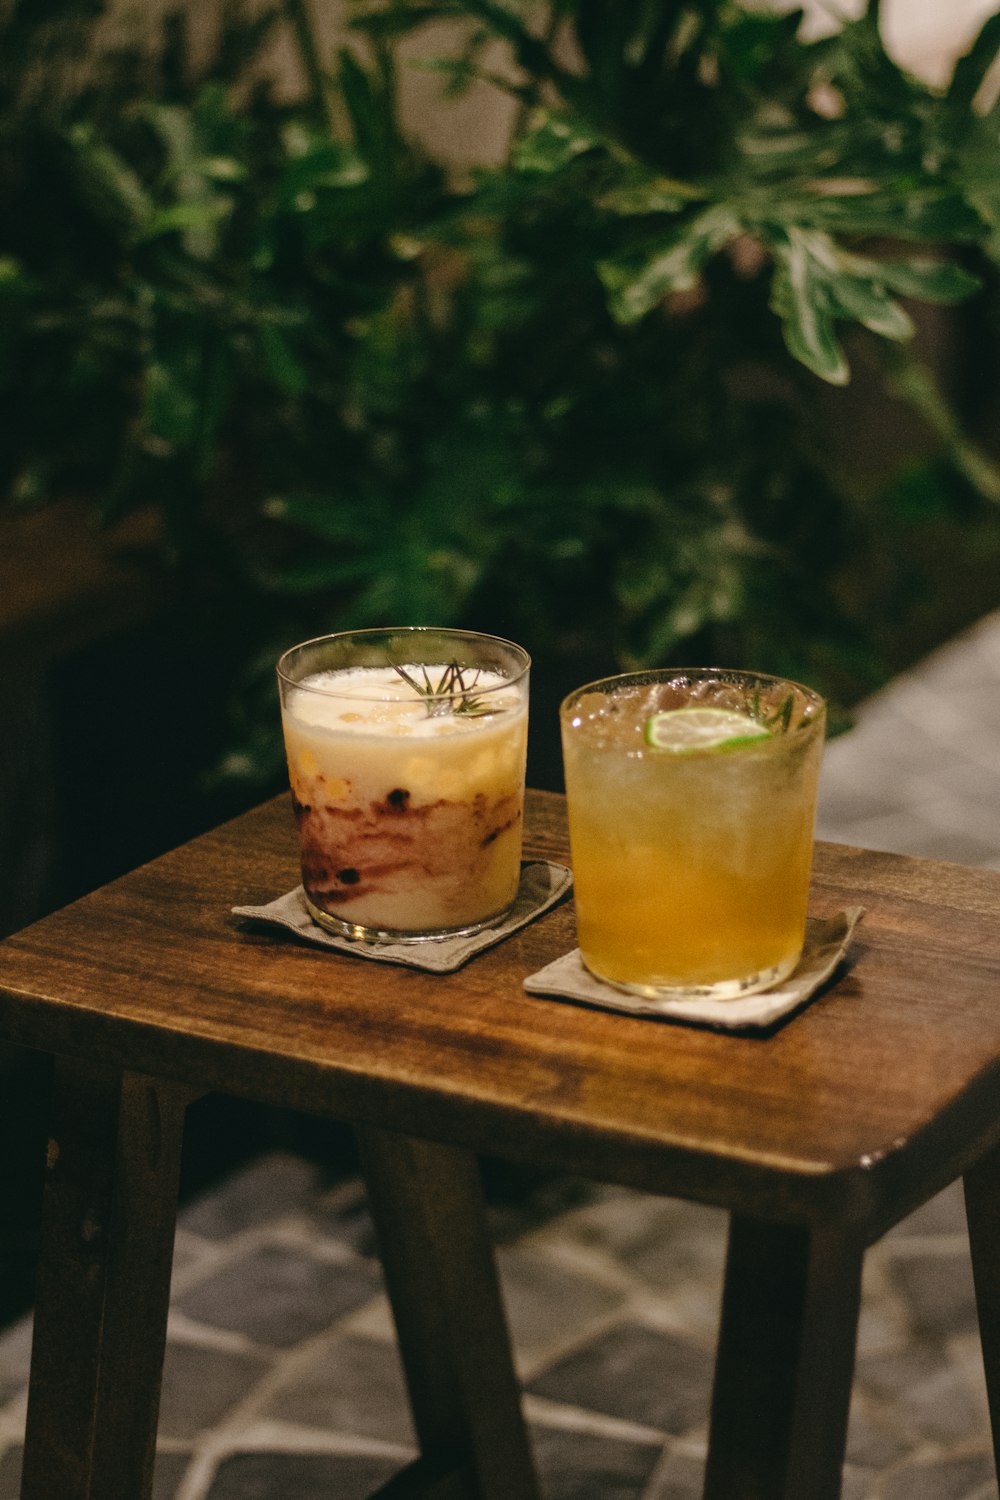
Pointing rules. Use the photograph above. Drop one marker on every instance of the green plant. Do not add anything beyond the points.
(585, 399)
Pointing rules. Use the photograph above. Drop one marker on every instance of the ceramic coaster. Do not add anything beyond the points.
(542, 885)
(826, 943)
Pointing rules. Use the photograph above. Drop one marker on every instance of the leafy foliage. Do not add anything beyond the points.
(581, 399)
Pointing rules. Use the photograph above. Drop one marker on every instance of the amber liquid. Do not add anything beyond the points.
(690, 871)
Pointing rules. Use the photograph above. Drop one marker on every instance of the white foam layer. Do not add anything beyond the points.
(379, 700)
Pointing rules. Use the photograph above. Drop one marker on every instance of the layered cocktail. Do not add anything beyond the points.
(406, 754)
(691, 798)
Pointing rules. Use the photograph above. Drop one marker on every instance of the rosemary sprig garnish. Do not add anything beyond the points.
(782, 715)
(451, 694)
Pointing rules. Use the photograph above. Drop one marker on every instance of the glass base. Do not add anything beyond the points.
(362, 934)
(721, 989)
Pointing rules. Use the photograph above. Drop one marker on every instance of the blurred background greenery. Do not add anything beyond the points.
(689, 355)
(592, 394)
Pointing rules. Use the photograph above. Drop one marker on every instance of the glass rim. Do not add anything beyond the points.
(651, 675)
(372, 632)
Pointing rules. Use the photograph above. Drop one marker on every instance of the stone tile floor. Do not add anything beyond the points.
(282, 1381)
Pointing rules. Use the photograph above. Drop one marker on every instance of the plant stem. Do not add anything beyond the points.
(301, 23)
(530, 98)
(915, 382)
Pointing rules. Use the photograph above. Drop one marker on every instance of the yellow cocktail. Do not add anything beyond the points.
(691, 798)
(406, 756)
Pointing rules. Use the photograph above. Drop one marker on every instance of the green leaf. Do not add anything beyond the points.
(866, 301)
(322, 165)
(971, 70)
(326, 516)
(311, 575)
(799, 298)
(552, 142)
(640, 193)
(200, 215)
(110, 180)
(170, 409)
(932, 213)
(929, 280)
(638, 280)
(368, 100)
(13, 280)
(397, 21)
(285, 369)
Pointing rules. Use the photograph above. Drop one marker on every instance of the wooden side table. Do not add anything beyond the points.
(816, 1140)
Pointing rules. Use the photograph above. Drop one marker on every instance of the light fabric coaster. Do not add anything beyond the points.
(825, 945)
(542, 885)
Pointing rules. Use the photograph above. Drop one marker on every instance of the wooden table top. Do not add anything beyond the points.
(881, 1091)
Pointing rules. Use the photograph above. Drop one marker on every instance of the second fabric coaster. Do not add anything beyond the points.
(826, 943)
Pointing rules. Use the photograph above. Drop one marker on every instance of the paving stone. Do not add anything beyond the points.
(636, 1374)
(279, 1295)
(874, 1439)
(354, 1386)
(943, 1408)
(168, 1472)
(930, 1396)
(517, 1202)
(963, 778)
(547, 1303)
(188, 1252)
(696, 1249)
(513, 1210)
(888, 1375)
(883, 1325)
(347, 1220)
(691, 1311)
(589, 1466)
(938, 1291)
(660, 1241)
(942, 1214)
(268, 1188)
(15, 1359)
(919, 835)
(10, 1474)
(963, 1478)
(845, 798)
(856, 1484)
(200, 1385)
(680, 1477)
(299, 1476)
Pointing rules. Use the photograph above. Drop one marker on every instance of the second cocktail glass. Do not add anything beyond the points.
(406, 754)
(691, 796)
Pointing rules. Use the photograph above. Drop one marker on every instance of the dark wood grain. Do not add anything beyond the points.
(882, 1089)
(441, 1278)
(784, 1363)
(816, 1138)
(982, 1205)
(103, 1284)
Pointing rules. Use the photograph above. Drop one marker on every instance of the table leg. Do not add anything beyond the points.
(426, 1200)
(982, 1209)
(103, 1284)
(785, 1363)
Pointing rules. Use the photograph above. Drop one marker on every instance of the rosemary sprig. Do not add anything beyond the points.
(451, 694)
(782, 715)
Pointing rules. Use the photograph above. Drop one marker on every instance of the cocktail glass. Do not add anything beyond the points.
(406, 755)
(692, 832)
